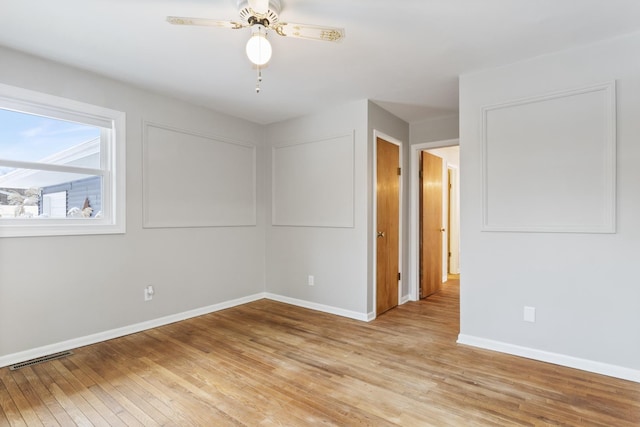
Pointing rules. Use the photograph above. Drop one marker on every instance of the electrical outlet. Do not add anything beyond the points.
(148, 293)
(530, 314)
(311, 281)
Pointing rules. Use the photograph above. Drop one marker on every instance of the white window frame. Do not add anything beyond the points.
(112, 164)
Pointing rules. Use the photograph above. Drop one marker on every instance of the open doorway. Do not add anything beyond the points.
(434, 217)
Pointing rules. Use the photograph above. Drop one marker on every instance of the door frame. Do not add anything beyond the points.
(414, 212)
(374, 223)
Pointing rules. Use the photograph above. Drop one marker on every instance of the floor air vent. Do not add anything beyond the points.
(40, 360)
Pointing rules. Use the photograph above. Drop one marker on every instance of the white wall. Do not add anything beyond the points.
(434, 129)
(339, 258)
(335, 256)
(54, 289)
(66, 291)
(584, 286)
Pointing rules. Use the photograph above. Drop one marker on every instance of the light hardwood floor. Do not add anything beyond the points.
(268, 363)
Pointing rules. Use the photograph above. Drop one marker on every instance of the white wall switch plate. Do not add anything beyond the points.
(529, 314)
(148, 293)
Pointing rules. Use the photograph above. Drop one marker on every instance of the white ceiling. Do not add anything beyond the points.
(405, 55)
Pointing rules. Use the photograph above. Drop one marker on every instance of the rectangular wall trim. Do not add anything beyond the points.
(195, 180)
(549, 162)
(314, 183)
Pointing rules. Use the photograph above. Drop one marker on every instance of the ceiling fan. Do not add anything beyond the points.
(260, 16)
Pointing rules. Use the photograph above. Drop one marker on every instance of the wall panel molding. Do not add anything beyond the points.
(314, 183)
(549, 162)
(195, 180)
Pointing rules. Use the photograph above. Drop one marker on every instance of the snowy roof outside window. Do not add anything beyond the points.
(85, 154)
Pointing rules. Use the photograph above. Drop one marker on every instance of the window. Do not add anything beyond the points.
(61, 166)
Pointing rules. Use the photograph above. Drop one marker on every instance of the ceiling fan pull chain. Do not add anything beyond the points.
(258, 80)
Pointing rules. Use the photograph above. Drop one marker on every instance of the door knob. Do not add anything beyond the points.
(380, 233)
(442, 229)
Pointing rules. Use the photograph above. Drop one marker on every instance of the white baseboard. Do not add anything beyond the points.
(22, 356)
(555, 358)
(321, 307)
(404, 299)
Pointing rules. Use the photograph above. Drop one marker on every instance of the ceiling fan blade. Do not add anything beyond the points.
(311, 32)
(259, 6)
(181, 20)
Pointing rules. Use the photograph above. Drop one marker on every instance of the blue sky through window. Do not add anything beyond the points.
(31, 138)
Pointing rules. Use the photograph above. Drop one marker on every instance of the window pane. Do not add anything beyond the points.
(51, 195)
(5, 170)
(59, 159)
(31, 138)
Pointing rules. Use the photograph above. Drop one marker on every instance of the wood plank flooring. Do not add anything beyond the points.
(268, 363)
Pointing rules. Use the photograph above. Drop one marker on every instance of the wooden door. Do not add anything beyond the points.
(388, 224)
(431, 229)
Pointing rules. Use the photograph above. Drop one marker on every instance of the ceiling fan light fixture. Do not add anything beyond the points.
(258, 47)
(260, 16)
